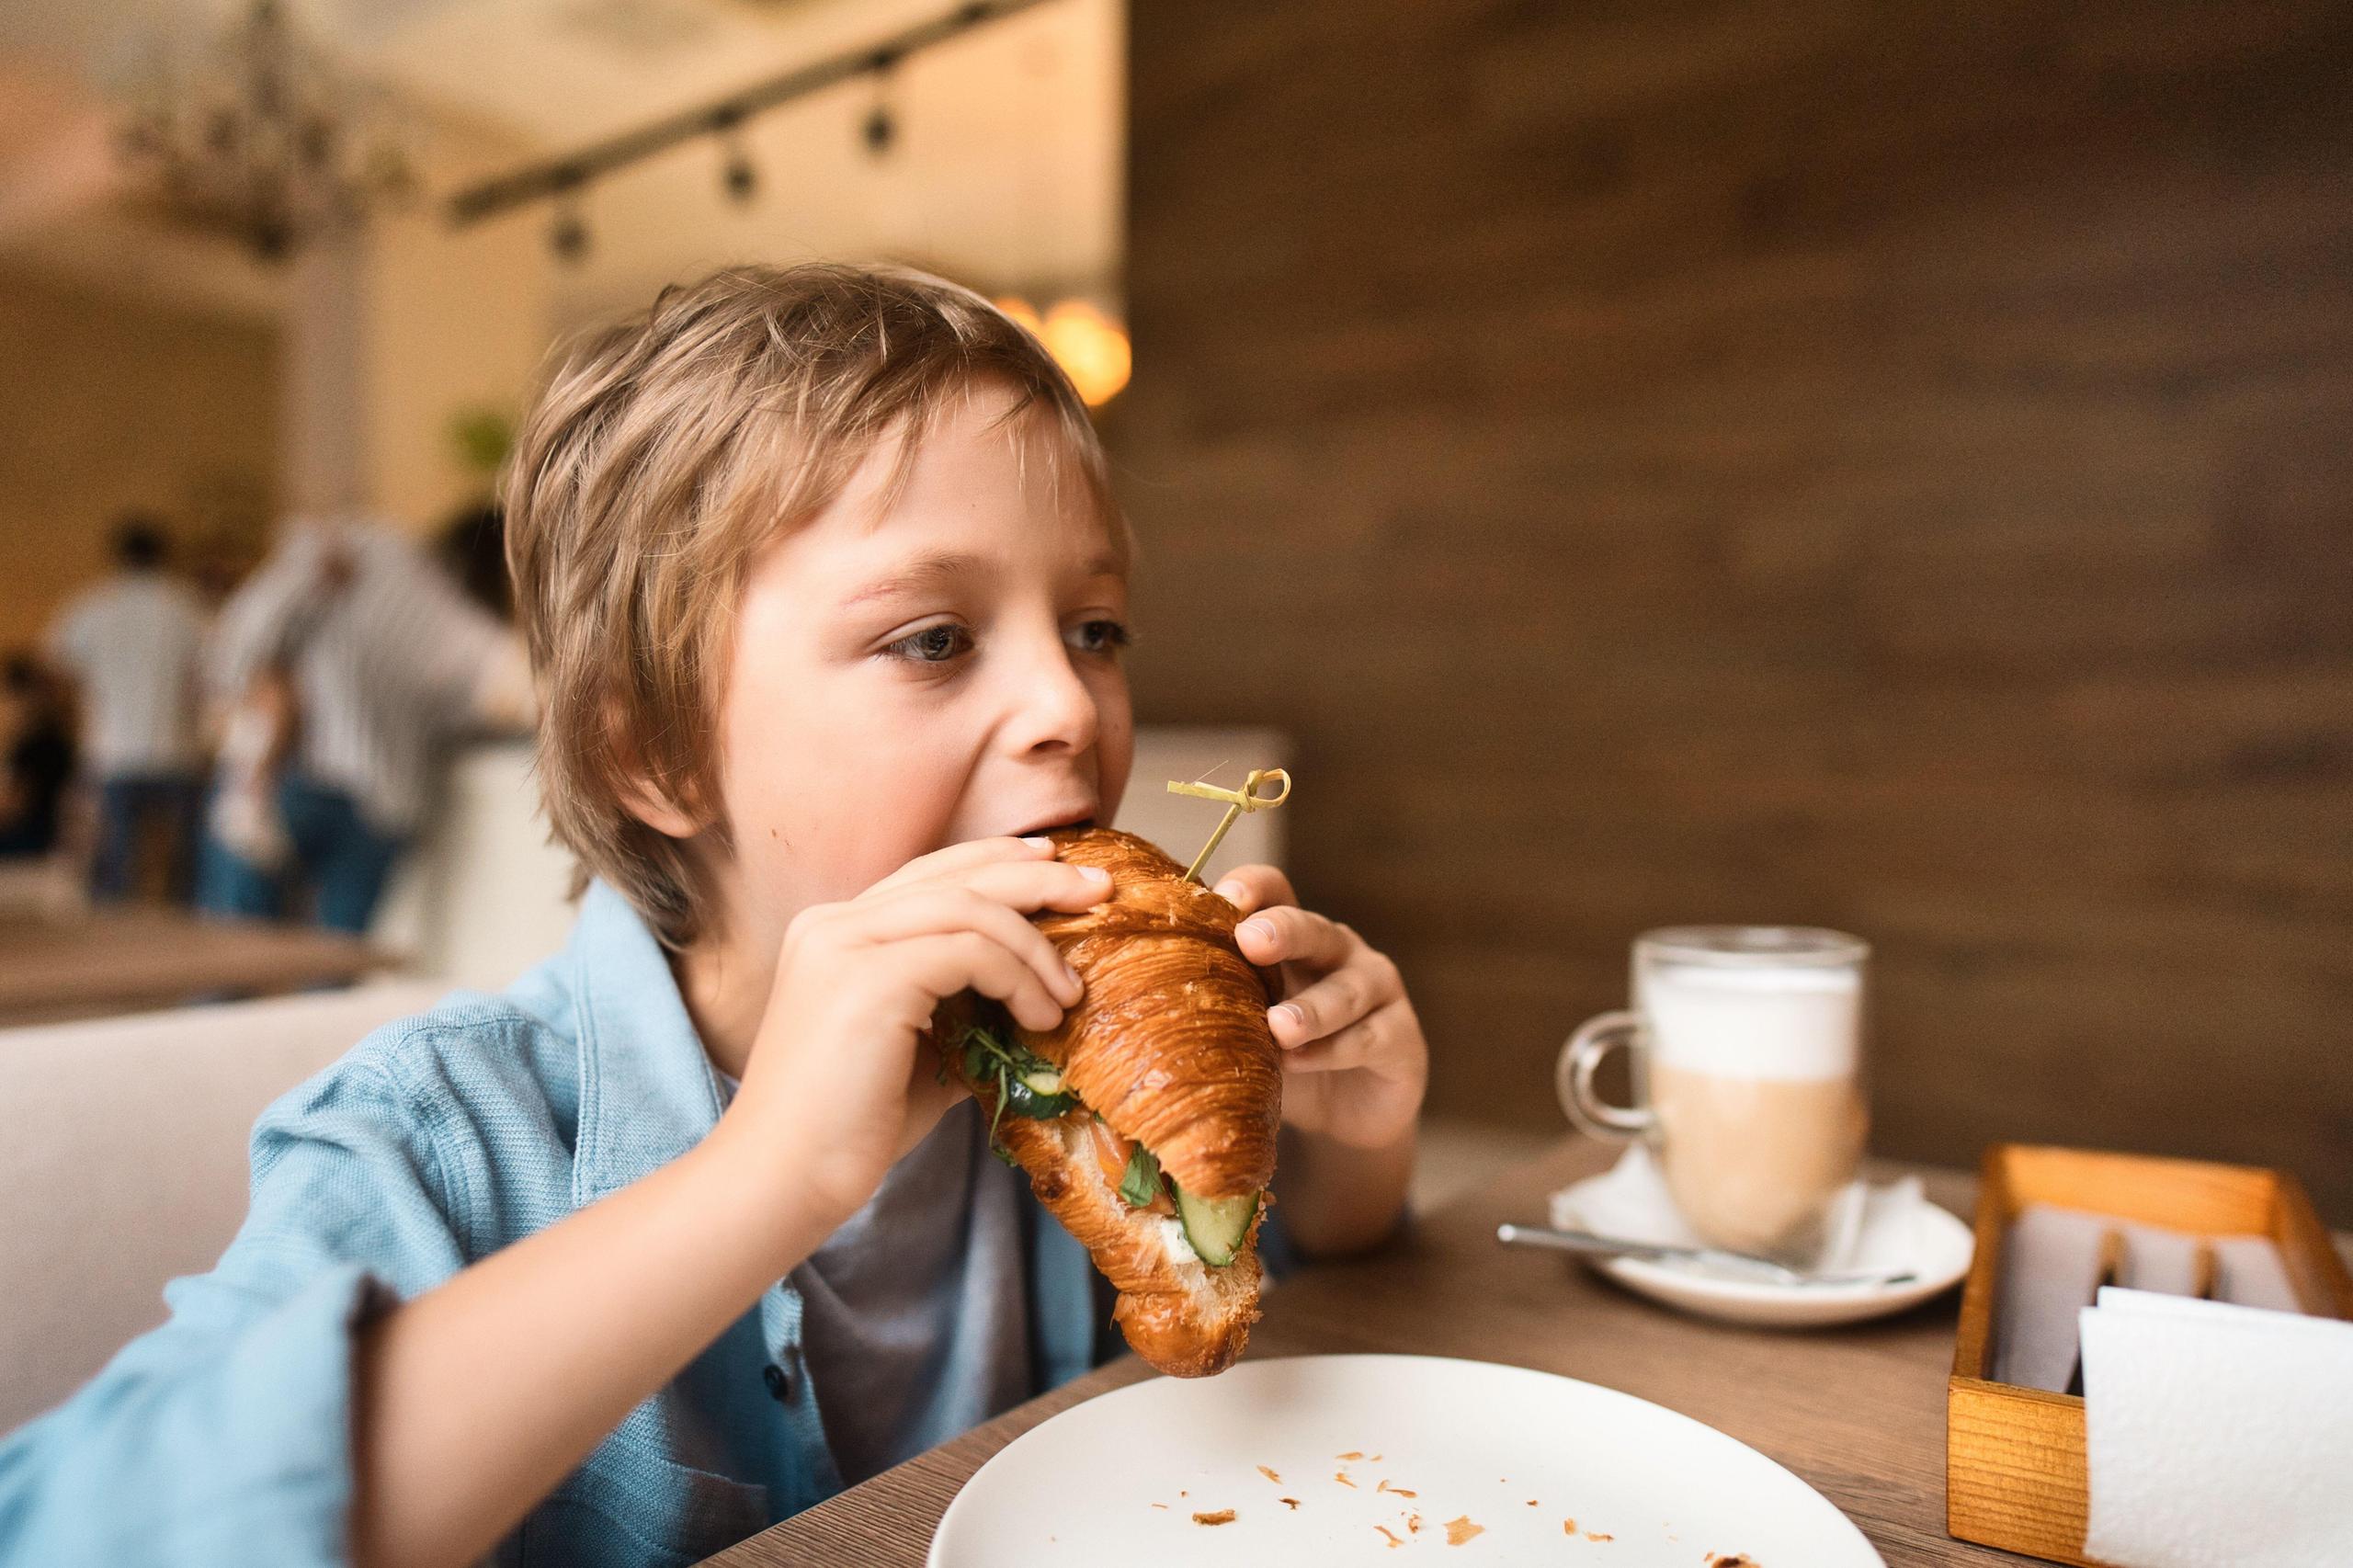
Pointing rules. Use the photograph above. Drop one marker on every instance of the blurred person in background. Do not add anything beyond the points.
(132, 648)
(472, 548)
(39, 752)
(350, 662)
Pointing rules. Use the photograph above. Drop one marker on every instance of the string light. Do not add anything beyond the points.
(737, 175)
(568, 233)
(740, 178)
(881, 127)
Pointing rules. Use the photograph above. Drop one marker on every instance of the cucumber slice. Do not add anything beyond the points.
(1215, 1225)
(1021, 1099)
(1025, 1083)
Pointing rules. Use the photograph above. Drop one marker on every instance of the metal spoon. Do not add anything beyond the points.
(1654, 1251)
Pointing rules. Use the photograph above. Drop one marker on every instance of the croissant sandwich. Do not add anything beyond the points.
(1146, 1120)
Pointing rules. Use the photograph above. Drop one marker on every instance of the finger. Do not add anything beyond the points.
(1291, 935)
(963, 857)
(932, 911)
(1249, 887)
(1335, 1002)
(947, 962)
(1361, 1044)
(1042, 884)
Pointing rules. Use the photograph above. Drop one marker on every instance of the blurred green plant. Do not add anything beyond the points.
(483, 435)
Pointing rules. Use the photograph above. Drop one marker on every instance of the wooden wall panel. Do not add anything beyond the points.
(1887, 466)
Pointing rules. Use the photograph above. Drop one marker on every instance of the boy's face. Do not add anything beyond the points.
(941, 669)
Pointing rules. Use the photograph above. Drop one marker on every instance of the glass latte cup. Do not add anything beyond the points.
(1746, 1048)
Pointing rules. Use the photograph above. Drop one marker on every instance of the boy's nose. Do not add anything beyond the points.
(1054, 710)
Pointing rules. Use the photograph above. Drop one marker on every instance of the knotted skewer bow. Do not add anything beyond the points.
(1246, 799)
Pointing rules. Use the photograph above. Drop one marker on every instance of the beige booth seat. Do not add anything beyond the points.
(123, 1162)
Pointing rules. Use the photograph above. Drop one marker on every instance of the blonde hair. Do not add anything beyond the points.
(664, 452)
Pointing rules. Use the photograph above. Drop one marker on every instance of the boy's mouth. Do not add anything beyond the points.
(1048, 824)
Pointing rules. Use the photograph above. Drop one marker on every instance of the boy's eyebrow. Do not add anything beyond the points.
(937, 568)
(932, 569)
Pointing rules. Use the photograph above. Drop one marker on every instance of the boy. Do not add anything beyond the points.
(824, 598)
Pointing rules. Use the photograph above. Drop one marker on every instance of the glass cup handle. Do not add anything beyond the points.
(1574, 1078)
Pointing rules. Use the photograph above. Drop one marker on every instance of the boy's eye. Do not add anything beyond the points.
(1103, 636)
(948, 642)
(933, 645)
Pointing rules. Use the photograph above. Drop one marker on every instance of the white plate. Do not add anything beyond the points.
(1938, 1254)
(1474, 1440)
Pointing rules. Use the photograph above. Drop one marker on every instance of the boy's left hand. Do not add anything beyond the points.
(1354, 1064)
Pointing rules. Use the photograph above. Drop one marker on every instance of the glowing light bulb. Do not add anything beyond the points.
(1091, 347)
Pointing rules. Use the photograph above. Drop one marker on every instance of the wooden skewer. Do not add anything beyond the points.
(1246, 799)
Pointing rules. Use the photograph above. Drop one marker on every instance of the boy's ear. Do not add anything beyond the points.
(655, 809)
(640, 796)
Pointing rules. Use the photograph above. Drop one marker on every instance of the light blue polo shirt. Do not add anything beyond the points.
(224, 1436)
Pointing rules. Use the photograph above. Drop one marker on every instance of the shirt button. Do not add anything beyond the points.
(780, 1382)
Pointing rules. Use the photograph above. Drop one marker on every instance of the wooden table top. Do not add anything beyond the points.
(120, 960)
(1857, 1412)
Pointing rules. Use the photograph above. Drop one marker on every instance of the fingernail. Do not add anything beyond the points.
(1040, 842)
(1230, 891)
(1290, 1017)
(1075, 982)
(1095, 874)
(1262, 929)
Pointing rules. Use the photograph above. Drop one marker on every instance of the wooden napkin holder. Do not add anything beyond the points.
(2015, 1474)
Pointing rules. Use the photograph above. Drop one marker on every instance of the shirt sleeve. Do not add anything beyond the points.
(225, 1435)
(259, 622)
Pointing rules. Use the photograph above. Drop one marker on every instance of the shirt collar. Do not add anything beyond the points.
(648, 1092)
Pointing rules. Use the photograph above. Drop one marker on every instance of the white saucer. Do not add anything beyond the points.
(1364, 1454)
(1934, 1244)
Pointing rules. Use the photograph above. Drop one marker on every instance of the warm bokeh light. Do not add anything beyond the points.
(1022, 311)
(1091, 347)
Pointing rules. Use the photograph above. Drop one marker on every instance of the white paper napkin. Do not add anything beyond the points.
(2050, 1261)
(1875, 1227)
(2219, 1436)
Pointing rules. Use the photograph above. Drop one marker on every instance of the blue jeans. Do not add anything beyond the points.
(127, 803)
(339, 860)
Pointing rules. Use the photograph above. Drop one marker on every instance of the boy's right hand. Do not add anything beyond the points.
(837, 1075)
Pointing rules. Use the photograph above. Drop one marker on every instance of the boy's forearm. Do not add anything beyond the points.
(1337, 1200)
(475, 1398)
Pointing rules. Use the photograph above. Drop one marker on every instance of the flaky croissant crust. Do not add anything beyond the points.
(1170, 1042)
(1184, 1317)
